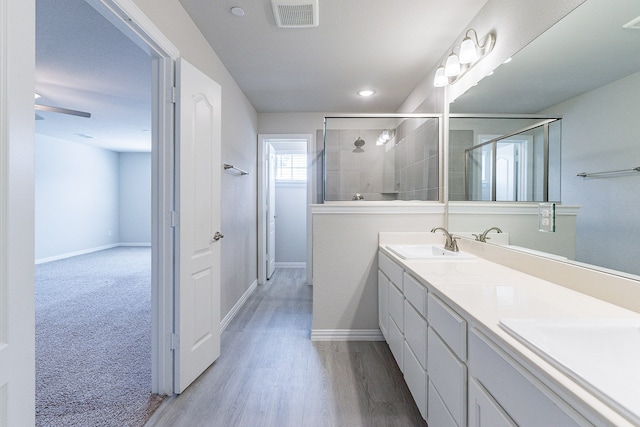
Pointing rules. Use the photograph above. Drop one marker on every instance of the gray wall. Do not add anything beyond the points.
(88, 198)
(600, 133)
(134, 206)
(76, 197)
(291, 222)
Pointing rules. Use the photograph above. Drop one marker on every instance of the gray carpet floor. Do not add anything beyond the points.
(93, 339)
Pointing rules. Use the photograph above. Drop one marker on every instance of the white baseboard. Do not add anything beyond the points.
(76, 253)
(238, 305)
(88, 251)
(291, 265)
(346, 335)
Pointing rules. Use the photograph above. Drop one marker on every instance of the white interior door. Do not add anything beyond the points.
(271, 213)
(17, 320)
(198, 205)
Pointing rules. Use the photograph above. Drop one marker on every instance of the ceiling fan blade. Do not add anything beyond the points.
(63, 111)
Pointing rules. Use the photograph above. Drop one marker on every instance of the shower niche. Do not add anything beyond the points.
(375, 158)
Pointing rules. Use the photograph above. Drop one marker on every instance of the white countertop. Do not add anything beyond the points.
(488, 292)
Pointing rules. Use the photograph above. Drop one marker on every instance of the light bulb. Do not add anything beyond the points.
(468, 52)
(440, 80)
(452, 66)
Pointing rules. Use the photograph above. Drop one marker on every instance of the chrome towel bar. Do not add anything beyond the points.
(235, 169)
(585, 174)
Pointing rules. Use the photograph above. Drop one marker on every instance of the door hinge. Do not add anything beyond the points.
(175, 342)
(172, 95)
(173, 219)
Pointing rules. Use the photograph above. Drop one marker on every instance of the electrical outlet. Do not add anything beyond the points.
(547, 217)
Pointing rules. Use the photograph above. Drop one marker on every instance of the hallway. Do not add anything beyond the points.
(271, 374)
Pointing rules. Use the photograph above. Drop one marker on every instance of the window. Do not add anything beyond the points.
(291, 167)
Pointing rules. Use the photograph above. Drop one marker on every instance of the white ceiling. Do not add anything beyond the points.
(386, 45)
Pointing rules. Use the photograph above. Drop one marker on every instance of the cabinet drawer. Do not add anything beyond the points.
(396, 306)
(415, 293)
(416, 378)
(391, 269)
(449, 377)
(449, 325)
(396, 343)
(527, 400)
(415, 333)
(439, 416)
(484, 410)
(383, 303)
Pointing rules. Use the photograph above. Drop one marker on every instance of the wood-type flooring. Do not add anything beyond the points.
(271, 374)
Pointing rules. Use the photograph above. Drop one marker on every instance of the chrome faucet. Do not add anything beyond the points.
(450, 244)
(483, 237)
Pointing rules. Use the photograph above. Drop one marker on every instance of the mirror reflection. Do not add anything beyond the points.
(585, 69)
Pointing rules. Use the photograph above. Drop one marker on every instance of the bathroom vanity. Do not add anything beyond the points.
(481, 344)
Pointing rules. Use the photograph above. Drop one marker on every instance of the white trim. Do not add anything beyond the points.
(506, 208)
(76, 253)
(129, 18)
(238, 305)
(262, 182)
(88, 251)
(346, 335)
(291, 264)
(378, 208)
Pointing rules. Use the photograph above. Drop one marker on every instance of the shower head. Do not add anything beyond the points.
(358, 143)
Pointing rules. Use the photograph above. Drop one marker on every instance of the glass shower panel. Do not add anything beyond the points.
(381, 158)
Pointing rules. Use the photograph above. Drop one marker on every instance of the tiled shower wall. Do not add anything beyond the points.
(417, 160)
(406, 168)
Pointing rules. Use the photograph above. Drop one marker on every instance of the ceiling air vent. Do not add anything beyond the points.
(295, 13)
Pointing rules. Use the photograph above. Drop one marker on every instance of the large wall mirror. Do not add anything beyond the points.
(585, 69)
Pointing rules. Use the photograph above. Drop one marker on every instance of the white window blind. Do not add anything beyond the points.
(291, 167)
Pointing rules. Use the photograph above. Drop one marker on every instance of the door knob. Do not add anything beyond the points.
(217, 236)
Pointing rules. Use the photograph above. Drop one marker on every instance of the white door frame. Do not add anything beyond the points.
(264, 139)
(128, 18)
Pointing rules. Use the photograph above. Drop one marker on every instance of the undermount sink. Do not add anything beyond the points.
(427, 252)
(601, 354)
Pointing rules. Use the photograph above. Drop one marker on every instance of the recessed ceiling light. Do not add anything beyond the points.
(366, 92)
(237, 11)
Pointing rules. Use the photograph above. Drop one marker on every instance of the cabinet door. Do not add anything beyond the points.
(438, 415)
(396, 342)
(484, 410)
(416, 378)
(383, 304)
(448, 376)
(527, 401)
(415, 333)
(396, 306)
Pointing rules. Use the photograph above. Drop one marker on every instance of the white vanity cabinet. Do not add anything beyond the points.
(503, 393)
(391, 305)
(403, 315)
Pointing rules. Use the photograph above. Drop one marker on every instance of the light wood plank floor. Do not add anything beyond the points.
(271, 374)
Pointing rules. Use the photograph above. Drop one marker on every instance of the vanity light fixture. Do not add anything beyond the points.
(471, 50)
